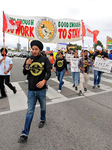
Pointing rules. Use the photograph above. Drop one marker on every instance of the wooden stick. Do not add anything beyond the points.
(83, 44)
(4, 48)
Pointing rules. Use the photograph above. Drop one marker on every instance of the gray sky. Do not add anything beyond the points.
(96, 14)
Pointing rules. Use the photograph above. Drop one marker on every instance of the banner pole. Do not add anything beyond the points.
(4, 48)
(82, 43)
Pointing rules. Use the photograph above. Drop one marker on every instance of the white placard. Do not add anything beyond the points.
(74, 65)
(103, 65)
(68, 57)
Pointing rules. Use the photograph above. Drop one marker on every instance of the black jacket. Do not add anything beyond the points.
(39, 69)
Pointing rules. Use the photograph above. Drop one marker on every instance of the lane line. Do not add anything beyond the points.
(17, 101)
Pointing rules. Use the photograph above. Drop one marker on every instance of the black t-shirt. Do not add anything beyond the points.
(91, 56)
(60, 64)
(101, 55)
(57, 56)
(37, 71)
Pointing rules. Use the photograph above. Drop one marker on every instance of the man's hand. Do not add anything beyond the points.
(105, 58)
(52, 69)
(29, 61)
(83, 69)
(40, 84)
(84, 63)
(66, 73)
(4, 58)
(5, 72)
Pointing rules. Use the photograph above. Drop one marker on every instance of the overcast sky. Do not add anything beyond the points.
(97, 14)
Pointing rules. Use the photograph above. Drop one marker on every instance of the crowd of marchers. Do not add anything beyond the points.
(39, 68)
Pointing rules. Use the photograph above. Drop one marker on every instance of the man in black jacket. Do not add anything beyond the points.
(38, 69)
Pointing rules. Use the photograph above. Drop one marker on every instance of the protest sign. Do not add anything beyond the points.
(46, 29)
(74, 65)
(103, 65)
(68, 57)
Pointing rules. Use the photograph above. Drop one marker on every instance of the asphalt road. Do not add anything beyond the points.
(73, 122)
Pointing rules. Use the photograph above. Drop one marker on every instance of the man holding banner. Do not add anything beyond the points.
(5, 73)
(97, 74)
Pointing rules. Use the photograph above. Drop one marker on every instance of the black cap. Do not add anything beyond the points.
(37, 43)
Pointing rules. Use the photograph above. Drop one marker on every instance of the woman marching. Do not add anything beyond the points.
(61, 66)
(75, 73)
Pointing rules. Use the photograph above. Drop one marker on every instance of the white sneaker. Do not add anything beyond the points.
(59, 91)
(26, 81)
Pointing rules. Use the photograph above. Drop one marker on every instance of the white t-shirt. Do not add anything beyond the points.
(8, 61)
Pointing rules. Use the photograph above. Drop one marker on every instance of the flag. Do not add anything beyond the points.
(9, 23)
(86, 31)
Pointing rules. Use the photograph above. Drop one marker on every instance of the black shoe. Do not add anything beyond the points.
(3, 96)
(74, 85)
(14, 90)
(76, 88)
(22, 139)
(98, 86)
(94, 87)
(80, 93)
(41, 124)
(85, 89)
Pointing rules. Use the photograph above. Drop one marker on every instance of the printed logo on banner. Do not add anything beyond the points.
(46, 29)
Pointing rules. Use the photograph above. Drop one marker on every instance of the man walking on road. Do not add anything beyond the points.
(5, 73)
(98, 74)
(38, 69)
(84, 65)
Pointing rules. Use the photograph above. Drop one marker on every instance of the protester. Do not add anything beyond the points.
(57, 56)
(51, 60)
(75, 75)
(98, 74)
(91, 56)
(84, 64)
(110, 55)
(61, 66)
(43, 53)
(38, 69)
(5, 74)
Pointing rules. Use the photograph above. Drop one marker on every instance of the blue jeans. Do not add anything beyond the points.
(97, 77)
(32, 99)
(75, 77)
(60, 75)
(91, 68)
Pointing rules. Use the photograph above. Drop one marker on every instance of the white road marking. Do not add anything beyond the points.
(18, 101)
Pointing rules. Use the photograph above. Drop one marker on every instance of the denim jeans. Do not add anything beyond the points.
(91, 68)
(60, 75)
(75, 77)
(97, 77)
(32, 99)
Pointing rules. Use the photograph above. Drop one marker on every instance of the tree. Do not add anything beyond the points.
(98, 43)
(73, 47)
